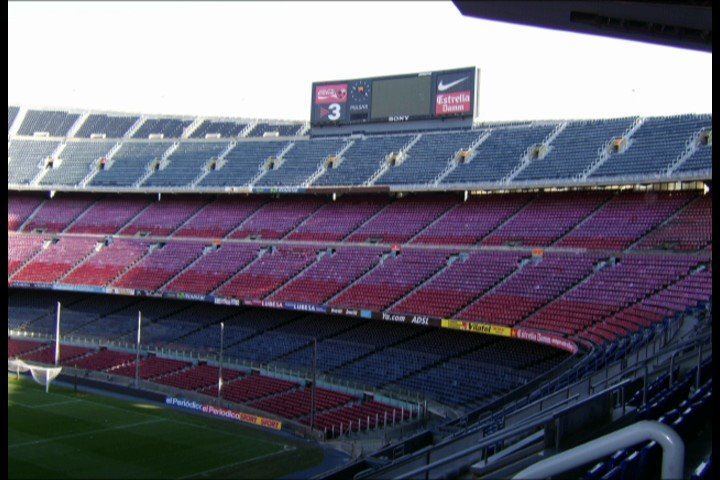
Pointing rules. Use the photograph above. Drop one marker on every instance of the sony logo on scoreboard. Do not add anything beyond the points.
(399, 118)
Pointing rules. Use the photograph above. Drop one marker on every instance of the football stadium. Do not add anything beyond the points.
(390, 289)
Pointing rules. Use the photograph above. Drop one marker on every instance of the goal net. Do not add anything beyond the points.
(42, 375)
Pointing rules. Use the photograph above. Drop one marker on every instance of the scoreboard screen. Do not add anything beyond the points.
(399, 98)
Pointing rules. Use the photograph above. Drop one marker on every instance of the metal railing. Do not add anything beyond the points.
(673, 460)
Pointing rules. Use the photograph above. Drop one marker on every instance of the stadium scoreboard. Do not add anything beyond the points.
(398, 98)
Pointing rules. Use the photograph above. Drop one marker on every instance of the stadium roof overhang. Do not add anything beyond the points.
(683, 24)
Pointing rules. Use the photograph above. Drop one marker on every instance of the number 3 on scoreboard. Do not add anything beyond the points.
(335, 111)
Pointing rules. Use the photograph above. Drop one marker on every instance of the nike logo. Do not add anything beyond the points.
(443, 86)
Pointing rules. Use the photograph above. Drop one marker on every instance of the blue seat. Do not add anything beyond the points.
(629, 466)
(617, 457)
(704, 471)
(649, 461)
(597, 471)
(613, 474)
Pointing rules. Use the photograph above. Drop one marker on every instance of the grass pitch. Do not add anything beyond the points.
(63, 434)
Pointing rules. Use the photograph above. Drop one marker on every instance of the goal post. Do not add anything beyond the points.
(42, 375)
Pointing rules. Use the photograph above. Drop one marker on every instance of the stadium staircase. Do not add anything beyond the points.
(212, 390)
(454, 160)
(369, 219)
(279, 159)
(114, 311)
(200, 327)
(109, 157)
(19, 118)
(691, 146)
(93, 169)
(149, 321)
(622, 331)
(386, 165)
(598, 266)
(261, 252)
(336, 333)
(31, 216)
(422, 284)
(295, 403)
(304, 221)
(323, 167)
(149, 168)
(187, 267)
(44, 169)
(131, 265)
(68, 354)
(111, 370)
(280, 287)
(28, 321)
(47, 316)
(246, 220)
(255, 401)
(528, 157)
(272, 391)
(78, 123)
(219, 163)
(509, 219)
(490, 290)
(662, 224)
(248, 128)
(74, 359)
(170, 374)
(75, 266)
(582, 222)
(79, 264)
(303, 130)
(354, 401)
(194, 378)
(431, 224)
(135, 217)
(374, 351)
(79, 216)
(190, 129)
(443, 358)
(356, 280)
(29, 351)
(188, 220)
(604, 152)
(260, 332)
(67, 305)
(135, 127)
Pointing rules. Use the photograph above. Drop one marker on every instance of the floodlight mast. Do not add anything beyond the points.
(57, 335)
(314, 381)
(137, 352)
(222, 334)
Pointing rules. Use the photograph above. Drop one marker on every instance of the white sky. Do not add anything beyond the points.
(258, 59)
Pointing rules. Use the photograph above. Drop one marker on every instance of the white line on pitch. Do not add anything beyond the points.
(180, 422)
(82, 434)
(40, 406)
(231, 465)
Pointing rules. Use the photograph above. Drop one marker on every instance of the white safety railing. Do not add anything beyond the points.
(673, 459)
